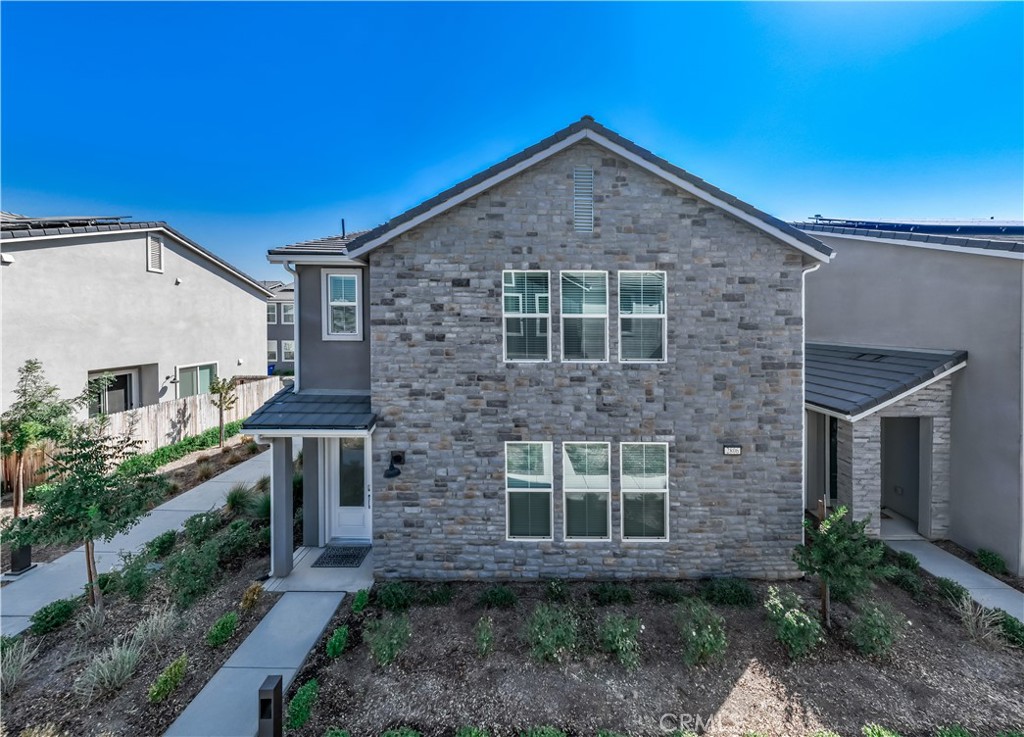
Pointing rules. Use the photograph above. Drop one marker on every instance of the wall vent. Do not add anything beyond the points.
(154, 253)
(583, 199)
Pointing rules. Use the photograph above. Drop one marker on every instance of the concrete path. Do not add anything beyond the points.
(984, 589)
(65, 577)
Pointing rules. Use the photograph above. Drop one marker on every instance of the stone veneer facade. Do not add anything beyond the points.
(859, 458)
(444, 396)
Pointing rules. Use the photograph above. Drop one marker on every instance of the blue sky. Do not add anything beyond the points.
(247, 126)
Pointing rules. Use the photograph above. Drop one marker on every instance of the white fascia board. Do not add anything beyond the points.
(1012, 255)
(331, 259)
(314, 433)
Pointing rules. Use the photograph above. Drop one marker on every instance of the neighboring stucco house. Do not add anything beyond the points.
(280, 328)
(137, 300)
(943, 304)
(582, 362)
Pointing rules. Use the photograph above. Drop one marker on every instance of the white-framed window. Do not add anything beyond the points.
(583, 199)
(287, 313)
(195, 379)
(586, 490)
(287, 350)
(271, 350)
(584, 297)
(342, 317)
(643, 329)
(154, 253)
(529, 481)
(271, 313)
(526, 314)
(643, 479)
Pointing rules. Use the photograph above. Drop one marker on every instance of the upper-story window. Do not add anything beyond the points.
(583, 199)
(342, 318)
(584, 315)
(271, 313)
(287, 313)
(642, 316)
(526, 311)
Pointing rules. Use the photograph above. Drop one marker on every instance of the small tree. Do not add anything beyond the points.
(223, 396)
(92, 499)
(841, 554)
(36, 415)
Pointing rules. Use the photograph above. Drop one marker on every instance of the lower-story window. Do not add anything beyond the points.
(586, 487)
(287, 350)
(528, 484)
(644, 483)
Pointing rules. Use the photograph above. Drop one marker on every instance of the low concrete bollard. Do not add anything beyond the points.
(271, 722)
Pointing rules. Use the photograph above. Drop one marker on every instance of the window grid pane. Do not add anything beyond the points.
(584, 299)
(271, 350)
(288, 314)
(271, 313)
(529, 480)
(526, 309)
(287, 350)
(586, 484)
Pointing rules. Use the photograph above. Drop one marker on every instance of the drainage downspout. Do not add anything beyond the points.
(803, 390)
(295, 311)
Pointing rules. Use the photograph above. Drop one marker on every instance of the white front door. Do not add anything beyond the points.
(347, 489)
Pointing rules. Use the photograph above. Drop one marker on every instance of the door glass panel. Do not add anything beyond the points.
(118, 394)
(352, 472)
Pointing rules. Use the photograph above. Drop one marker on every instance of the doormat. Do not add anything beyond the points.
(342, 556)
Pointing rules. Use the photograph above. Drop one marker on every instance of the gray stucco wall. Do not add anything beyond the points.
(84, 304)
(892, 295)
(443, 394)
(329, 364)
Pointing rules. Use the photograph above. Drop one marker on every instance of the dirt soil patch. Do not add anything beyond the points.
(966, 555)
(45, 696)
(439, 683)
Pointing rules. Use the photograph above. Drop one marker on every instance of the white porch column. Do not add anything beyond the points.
(281, 542)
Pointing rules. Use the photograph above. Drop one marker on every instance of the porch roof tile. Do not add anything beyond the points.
(312, 410)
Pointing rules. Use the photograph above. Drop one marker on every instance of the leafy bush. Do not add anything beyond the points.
(907, 580)
(953, 731)
(135, 576)
(903, 559)
(702, 632)
(109, 670)
(157, 629)
(472, 732)
(990, 561)
(222, 630)
(667, 592)
(798, 632)
(236, 541)
(875, 630)
(876, 730)
(360, 601)
(239, 500)
(15, 656)
(542, 732)
(552, 632)
(192, 572)
(1012, 628)
(556, 590)
(498, 596)
(301, 705)
(982, 624)
(54, 615)
(338, 641)
(201, 527)
(437, 595)
(400, 732)
(168, 680)
(149, 462)
(620, 637)
(336, 732)
(387, 637)
(729, 592)
(607, 593)
(109, 583)
(950, 590)
(484, 633)
(162, 544)
(251, 596)
(396, 596)
(261, 508)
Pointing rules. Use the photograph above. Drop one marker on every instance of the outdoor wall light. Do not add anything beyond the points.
(171, 379)
(393, 471)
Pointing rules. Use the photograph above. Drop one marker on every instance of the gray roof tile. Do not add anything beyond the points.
(287, 410)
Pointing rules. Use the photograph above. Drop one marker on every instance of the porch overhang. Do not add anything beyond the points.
(312, 413)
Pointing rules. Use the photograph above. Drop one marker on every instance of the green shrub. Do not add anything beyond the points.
(556, 590)
(149, 462)
(484, 634)
(135, 576)
(990, 561)
(542, 732)
(1011, 733)
(951, 591)
(437, 595)
(301, 705)
(15, 656)
(667, 592)
(876, 730)
(798, 632)
(109, 583)
(875, 629)
(472, 732)
(701, 630)
(620, 637)
(222, 630)
(162, 544)
(825, 733)
(607, 593)
(168, 680)
(337, 642)
(336, 732)
(261, 508)
(729, 592)
(903, 559)
(907, 580)
(498, 596)
(191, 573)
(953, 731)
(109, 670)
(1012, 629)
(610, 733)
(235, 541)
(360, 601)
(400, 732)
(387, 637)
(552, 632)
(239, 500)
(395, 596)
(54, 615)
(201, 527)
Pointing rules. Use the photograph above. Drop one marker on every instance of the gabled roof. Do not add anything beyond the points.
(853, 381)
(280, 289)
(19, 228)
(584, 129)
(1006, 239)
(312, 410)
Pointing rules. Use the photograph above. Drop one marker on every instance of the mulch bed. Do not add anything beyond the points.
(45, 695)
(438, 684)
(966, 555)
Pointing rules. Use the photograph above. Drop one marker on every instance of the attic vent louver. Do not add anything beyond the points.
(583, 199)
(154, 253)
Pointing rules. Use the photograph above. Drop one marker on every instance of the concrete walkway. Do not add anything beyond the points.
(65, 577)
(984, 589)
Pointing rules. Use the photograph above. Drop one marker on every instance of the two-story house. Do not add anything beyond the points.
(280, 328)
(582, 362)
